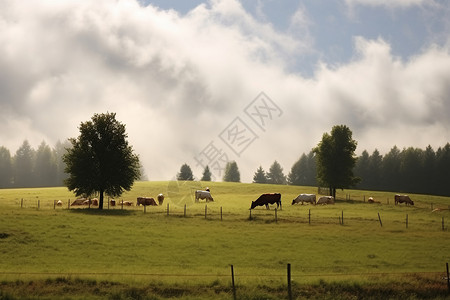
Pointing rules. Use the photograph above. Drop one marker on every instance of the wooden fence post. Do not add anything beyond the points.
(206, 209)
(68, 204)
(276, 217)
(309, 216)
(21, 203)
(250, 217)
(167, 209)
(289, 281)
(221, 213)
(379, 218)
(232, 282)
(185, 210)
(443, 227)
(342, 218)
(406, 220)
(448, 278)
(39, 204)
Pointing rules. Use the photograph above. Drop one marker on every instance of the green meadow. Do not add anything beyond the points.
(184, 249)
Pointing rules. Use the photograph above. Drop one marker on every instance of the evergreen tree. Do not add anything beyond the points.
(206, 174)
(6, 174)
(45, 166)
(260, 176)
(275, 174)
(23, 166)
(375, 164)
(362, 170)
(58, 152)
(232, 172)
(185, 173)
(390, 170)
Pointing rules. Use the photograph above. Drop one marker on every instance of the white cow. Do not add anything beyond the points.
(326, 200)
(203, 195)
(311, 198)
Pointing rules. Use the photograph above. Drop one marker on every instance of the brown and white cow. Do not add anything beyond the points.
(79, 201)
(371, 200)
(325, 200)
(160, 199)
(203, 195)
(403, 199)
(311, 198)
(266, 199)
(146, 201)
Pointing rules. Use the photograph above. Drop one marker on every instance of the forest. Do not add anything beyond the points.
(412, 170)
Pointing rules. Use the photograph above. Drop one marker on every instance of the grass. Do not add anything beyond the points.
(128, 254)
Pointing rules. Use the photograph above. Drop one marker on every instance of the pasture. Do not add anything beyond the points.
(185, 249)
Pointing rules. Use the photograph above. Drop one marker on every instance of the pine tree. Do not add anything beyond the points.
(232, 172)
(260, 176)
(275, 174)
(206, 174)
(185, 173)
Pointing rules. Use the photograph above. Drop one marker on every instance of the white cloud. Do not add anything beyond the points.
(388, 3)
(178, 81)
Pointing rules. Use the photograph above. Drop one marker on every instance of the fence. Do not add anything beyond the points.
(444, 275)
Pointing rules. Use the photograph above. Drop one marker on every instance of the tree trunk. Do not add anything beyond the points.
(100, 203)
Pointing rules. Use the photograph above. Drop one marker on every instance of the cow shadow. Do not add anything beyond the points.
(102, 212)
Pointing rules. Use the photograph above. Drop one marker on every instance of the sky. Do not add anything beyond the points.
(206, 82)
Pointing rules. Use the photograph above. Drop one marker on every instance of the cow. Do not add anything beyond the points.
(146, 201)
(311, 198)
(403, 199)
(326, 200)
(78, 201)
(266, 199)
(371, 200)
(94, 202)
(59, 203)
(126, 203)
(160, 199)
(112, 202)
(203, 195)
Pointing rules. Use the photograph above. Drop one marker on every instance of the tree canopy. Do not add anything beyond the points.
(206, 174)
(336, 159)
(100, 159)
(260, 176)
(275, 174)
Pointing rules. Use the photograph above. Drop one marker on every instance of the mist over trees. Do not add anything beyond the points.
(28, 167)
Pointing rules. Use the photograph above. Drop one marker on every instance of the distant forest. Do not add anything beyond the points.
(411, 170)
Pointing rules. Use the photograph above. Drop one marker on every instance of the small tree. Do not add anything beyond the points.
(336, 159)
(100, 159)
(275, 174)
(206, 174)
(232, 172)
(185, 173)
(260, 176)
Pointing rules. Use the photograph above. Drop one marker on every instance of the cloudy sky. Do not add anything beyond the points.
(203, 82)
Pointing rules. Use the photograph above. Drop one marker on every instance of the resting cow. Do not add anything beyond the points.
(203, 195)
(59, 203)
(78, 201)
(146, 201)
(126, 203)
(311, 198)
(266, 199)
(403, 199)
(371, 200)
(160, 199)
(326, 200)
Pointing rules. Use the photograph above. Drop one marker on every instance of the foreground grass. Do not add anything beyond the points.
(128, 254)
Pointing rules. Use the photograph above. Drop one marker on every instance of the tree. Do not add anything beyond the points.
(336, 159)
(260, 176)
(275, 174)
(23, 166)
(58, 152)
(206, 174)
(45, 166)
(304, 172)
(232, 172)
(5, 168)
(185, 173)
(100, 159)
(362, 170)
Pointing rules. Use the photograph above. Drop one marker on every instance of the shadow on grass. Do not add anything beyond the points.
(103, 212)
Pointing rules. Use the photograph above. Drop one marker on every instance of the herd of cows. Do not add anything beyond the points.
(263, 200)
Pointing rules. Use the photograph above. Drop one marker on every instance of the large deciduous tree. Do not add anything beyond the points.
(336, 159)
(100, 159)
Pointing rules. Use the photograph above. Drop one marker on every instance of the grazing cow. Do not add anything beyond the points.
(94, 202)
(146, 201)
(78, 201)
(160, 199)
(266, 199)
(326, 200)
(403, 199)
(311, 198)
(112, 202)
(203, 195)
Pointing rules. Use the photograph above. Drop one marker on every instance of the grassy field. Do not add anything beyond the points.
(186, 249)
